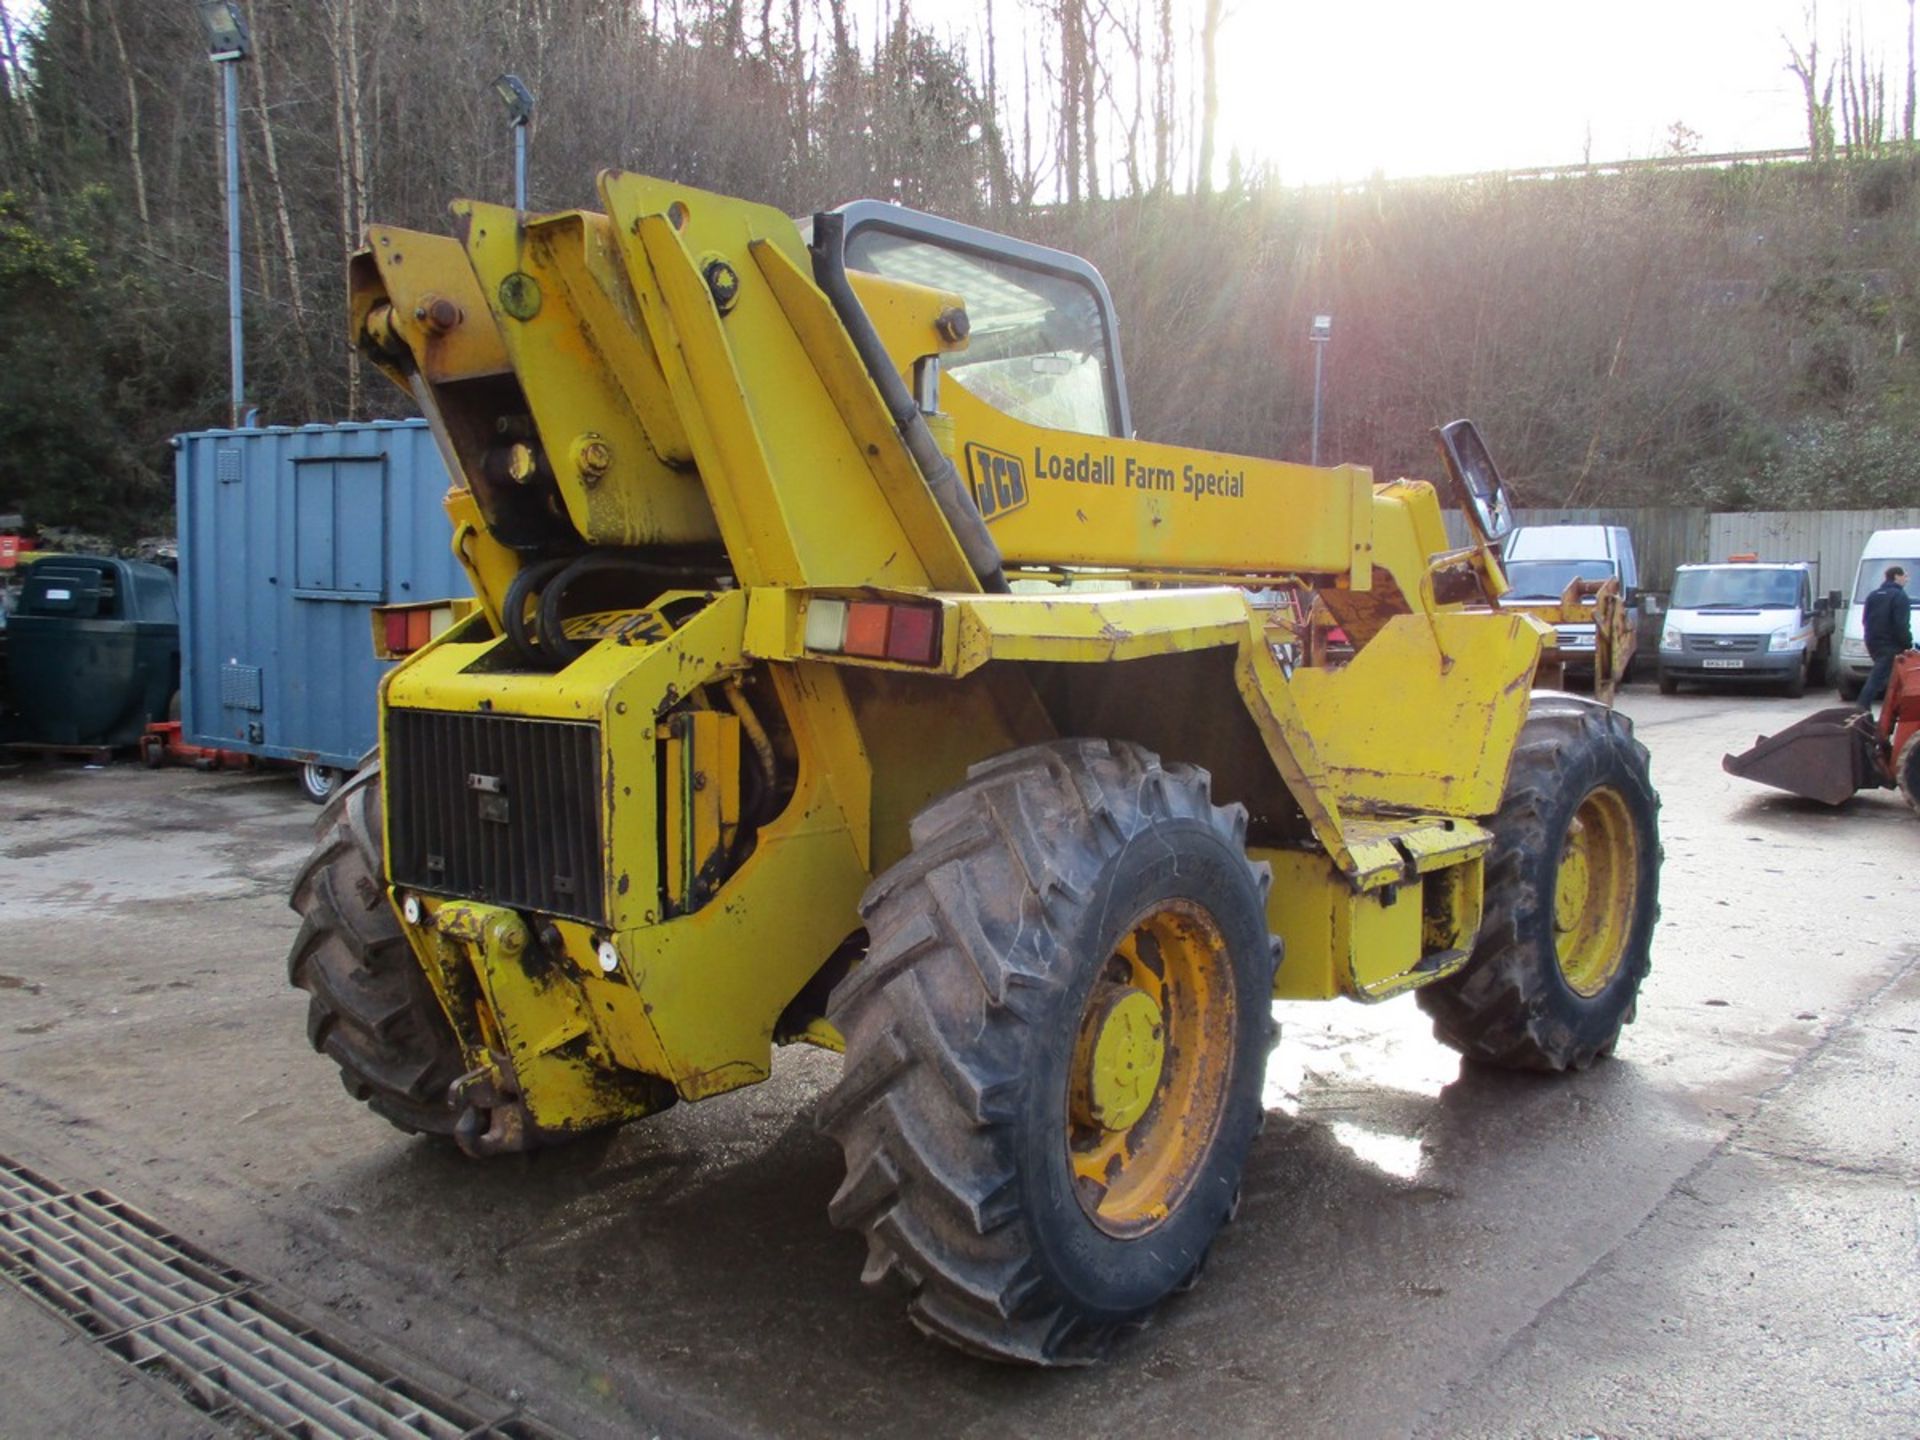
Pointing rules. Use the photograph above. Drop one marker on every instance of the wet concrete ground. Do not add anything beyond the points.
(1715, 1234)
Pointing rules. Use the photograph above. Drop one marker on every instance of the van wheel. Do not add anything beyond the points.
(1796, 685)
(1668, 685)
(1850, 688)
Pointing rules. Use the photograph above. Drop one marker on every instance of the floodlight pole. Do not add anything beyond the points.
(236, 341)
(518, 99)
(227, 45)
(520, 165)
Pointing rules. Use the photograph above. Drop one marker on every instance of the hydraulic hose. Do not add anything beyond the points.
(550, 620)
(513, 612)
(830, 274)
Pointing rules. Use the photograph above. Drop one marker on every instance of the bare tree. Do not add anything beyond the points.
(134, 156)
(1209, 93)
(1908, 133)
(1818, 97)
(283, 216)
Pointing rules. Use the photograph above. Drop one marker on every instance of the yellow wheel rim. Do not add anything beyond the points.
(1150, 1068)
(1594, 892)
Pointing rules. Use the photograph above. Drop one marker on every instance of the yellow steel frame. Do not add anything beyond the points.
(664, 416)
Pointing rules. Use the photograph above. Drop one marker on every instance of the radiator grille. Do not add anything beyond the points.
(497, 808)
(1725, 644)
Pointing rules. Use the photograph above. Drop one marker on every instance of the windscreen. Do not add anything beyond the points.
(1873, 574)
(1037, 349)
(1548, 579)
(1756, 589)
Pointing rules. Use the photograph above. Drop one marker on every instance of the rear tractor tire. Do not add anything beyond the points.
(1572, 895)
(1055, 1049)
(370, 1008)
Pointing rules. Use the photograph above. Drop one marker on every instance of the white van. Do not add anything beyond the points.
(1747, 620)
(1541, 560)
(1884, 548)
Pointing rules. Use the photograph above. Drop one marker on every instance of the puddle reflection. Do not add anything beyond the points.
(1338, 1067)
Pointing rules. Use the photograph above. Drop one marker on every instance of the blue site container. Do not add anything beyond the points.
(288, 538)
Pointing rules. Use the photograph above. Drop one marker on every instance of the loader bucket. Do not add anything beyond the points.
(1825, 757)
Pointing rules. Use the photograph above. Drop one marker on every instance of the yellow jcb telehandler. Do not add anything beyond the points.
(845, 672)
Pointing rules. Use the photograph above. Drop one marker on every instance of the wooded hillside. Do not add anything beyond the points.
(1734, 336)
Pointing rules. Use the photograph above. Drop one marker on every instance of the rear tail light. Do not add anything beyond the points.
(407, 628)
(875, 630)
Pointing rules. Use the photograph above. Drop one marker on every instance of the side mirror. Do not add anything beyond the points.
(1836, 602)
(1652, 604)
(1476, 479)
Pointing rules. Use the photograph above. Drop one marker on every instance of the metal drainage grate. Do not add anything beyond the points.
(176, 1313)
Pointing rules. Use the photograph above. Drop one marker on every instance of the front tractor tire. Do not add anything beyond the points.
(1572, 894)
(370, 1008)
(1055, 1049)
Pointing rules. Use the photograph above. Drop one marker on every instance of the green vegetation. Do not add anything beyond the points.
(1735, 336)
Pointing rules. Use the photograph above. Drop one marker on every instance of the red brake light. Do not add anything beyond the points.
(914, 637)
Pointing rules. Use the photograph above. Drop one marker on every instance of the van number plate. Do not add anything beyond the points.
(1724, 664)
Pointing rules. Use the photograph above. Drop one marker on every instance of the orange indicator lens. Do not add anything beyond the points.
(867, 629)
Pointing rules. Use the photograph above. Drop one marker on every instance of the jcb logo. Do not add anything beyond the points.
(999, 481)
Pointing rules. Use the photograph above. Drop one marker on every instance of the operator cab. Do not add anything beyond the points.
(1044, 345)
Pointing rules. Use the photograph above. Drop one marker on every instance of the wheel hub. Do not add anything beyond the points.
(1150, 1066)
(1595, 890)
(1123, 1070)
(1575, 881)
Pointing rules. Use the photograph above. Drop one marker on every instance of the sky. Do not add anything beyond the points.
(1339, 91)
(1325, 91)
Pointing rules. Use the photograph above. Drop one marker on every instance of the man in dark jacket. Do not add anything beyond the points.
(1889, 626)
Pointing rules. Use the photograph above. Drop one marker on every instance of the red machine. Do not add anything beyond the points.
(1832, 754)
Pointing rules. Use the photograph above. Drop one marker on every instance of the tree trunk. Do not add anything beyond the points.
(1163, 95)
(1209, 93)
(1908, 129)
(340, 38)
(1089, 109)
(1071, 60)
(283, 217)
(133, 122)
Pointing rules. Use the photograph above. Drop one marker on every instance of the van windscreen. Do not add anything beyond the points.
(1873, 574)
(1548, 579)
(1758, 588)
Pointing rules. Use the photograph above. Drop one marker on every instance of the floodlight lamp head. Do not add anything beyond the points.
(515, 95)
(226, 28)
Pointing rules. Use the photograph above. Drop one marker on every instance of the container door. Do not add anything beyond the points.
(325, 691)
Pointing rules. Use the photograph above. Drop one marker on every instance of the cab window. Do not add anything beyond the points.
(1038, 347)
